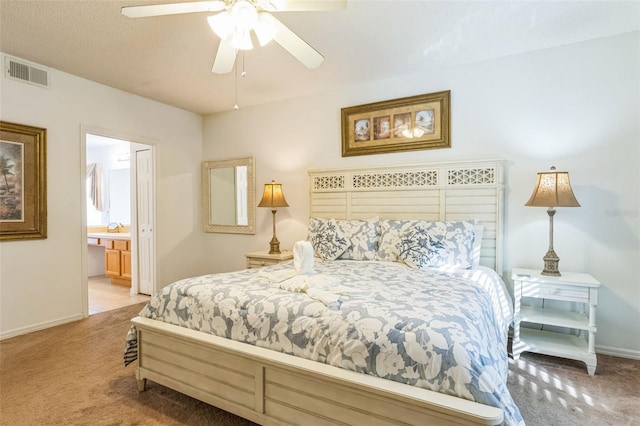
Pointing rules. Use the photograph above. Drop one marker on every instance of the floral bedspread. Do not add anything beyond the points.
(443, 331)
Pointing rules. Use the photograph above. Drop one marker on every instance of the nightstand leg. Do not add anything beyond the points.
(517, 299)
(591, 367)
(592, 323)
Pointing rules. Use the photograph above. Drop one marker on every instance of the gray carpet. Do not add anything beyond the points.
(73, 375)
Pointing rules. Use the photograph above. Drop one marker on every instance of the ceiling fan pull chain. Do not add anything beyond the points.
(235, 107)
(244, 73)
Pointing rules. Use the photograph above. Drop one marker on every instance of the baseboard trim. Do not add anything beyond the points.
(619, 352)
(38, 327)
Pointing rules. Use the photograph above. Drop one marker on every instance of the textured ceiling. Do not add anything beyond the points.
(169, 58)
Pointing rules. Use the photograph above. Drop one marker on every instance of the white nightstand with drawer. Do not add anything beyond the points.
(258, 259)
(571, 287)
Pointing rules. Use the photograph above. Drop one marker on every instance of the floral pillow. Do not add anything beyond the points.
(327, 239)
(363, 236)
(420, 250)
(390, 235)
(457, 237)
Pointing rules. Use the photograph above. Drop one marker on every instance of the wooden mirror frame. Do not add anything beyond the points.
(207, 166)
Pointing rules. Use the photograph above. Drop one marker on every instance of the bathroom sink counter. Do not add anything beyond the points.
(110, 235)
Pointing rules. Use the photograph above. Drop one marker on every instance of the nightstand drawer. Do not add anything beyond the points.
(259, 263)
(555, 291)
(258, 259)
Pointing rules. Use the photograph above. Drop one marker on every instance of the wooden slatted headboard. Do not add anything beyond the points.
(433, 192)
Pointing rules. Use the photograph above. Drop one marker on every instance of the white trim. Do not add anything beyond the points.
(40, 326)
(619, 352)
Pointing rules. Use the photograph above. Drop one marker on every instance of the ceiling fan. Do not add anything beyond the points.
(238, 18)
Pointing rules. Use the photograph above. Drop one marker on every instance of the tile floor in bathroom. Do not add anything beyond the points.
(104, 296)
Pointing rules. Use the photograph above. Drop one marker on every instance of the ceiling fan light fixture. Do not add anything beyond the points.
(244, 15)
(241, 40)
(265, 28)
(221, 24)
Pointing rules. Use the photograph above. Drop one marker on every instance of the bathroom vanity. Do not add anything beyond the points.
(117, 254)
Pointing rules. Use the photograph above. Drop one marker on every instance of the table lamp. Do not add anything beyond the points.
(552, 190)
(274, 198)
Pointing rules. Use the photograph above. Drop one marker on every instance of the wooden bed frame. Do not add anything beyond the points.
(271, 388)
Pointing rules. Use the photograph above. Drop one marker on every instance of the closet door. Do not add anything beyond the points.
(145, 220)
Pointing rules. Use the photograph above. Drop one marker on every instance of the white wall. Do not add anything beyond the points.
(575, 107)
(40, 280)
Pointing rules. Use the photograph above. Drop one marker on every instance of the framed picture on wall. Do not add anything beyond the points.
(23, 182)
(404, 124)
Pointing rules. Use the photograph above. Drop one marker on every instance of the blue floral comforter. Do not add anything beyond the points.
(443, 331)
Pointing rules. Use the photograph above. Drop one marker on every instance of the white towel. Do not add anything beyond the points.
(298, 284)
(323, 296)
(303, 257)
(277, 276)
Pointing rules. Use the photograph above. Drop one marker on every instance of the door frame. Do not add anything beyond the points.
(134, 141)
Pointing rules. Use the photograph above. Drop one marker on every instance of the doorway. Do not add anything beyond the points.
(118, 217)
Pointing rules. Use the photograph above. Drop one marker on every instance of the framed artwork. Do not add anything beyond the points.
(23, 182)
(405, 124)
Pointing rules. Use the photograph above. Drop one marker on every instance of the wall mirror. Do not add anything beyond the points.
(228, 193)
(120, 196)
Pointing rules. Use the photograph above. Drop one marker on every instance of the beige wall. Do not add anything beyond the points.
(41, 281)
(575, 107)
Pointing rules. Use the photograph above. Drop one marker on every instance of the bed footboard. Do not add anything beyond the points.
(272, 388)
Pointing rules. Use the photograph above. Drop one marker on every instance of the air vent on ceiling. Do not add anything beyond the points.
(16, 69)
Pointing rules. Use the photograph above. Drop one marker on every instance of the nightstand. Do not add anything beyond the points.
(258, 259)
(582, 289)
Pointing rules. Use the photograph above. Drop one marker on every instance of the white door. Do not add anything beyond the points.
(145, 214)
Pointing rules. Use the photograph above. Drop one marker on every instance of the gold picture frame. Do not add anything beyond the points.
(23, 182)
(404, 124)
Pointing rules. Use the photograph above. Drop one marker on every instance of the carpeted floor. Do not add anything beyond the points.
(73, 375)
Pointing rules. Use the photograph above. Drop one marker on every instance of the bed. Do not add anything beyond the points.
(403, 361)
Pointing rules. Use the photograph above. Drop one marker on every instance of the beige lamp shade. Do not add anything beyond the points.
(553, 190)
(273, 196)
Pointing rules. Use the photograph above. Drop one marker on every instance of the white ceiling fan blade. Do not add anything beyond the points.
(173, 8)
(299, 48)
(225, 58)
(302, 5)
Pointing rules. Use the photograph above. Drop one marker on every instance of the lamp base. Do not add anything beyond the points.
(551, 261)
(274, 246)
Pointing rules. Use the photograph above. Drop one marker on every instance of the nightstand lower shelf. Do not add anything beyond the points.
(555, 344)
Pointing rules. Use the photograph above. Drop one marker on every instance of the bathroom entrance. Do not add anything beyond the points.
(119, 212)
